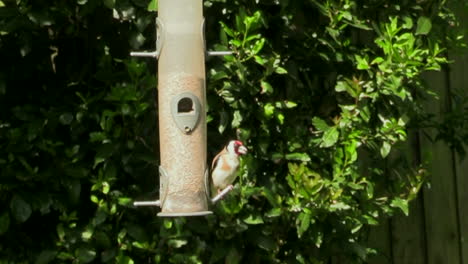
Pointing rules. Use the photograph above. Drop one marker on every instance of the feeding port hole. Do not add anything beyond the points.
(185, 106)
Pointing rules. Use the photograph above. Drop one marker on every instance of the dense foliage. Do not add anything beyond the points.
(322, 92)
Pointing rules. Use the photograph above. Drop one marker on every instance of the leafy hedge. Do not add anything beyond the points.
(322, 92)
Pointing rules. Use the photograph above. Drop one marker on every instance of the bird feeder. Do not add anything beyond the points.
(180, 51)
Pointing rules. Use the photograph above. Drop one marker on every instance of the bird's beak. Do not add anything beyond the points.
(242, 150)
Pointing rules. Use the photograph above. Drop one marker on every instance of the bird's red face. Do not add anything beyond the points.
(239, 148)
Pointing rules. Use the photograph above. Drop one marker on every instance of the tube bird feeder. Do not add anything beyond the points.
(182, 125)
(180, 50)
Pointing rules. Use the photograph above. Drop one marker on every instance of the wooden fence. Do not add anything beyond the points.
(436, 231)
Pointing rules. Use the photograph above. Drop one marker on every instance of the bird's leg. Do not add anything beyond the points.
(221, 194)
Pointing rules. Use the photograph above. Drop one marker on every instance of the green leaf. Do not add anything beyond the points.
(258, 46)
(269, 110)
(362, 63)
(370, 190)
(365, 113)
(280, 70)
(124, 260)
(341, 86)
(85, 255)
(125, 201)
(266, 243)
(371, 220)
(60, 231)
(351, 151)
(349, 86)
(424, 26)
(125, 109)
(97, 136)
(108, 255)
(298, 156)
(407, 22)
(252, 22)
(275, 212)
(270, 196)
(167, 224)
(94, 199)
(260, 60)
(330, 137)
(400, 203)
(218, 75)
(377, 60)
(153, 6)
(339, 206)
(87, 234)
(290, 104)
(227, 30)
(105, 187)
(177, 243)
(237, 119)
(109, 3)
(253, 220)
(20, 209)
(320, 124)
(356, 228)
(385, 149)
(46, 256)
(137, 232)
(66, 118)
(304, 223)
(266, 87)
(280, 118)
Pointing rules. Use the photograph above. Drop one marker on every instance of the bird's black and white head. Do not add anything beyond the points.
(236, 147)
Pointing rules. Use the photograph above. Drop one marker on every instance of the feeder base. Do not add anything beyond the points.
(185, 214)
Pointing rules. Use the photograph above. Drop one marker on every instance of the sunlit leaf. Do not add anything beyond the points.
(298, 156)
(177, 243)
(304, 223)
(402, 204)
(253, 220)
(266, 87)
(407, 22)
(269, 110)
(424, 26)
(320, 124)
(237, 119)
(153, 6)
(330, 137)
(385, 149)
(362, 63)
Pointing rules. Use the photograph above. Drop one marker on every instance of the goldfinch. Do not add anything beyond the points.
(225, 164)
